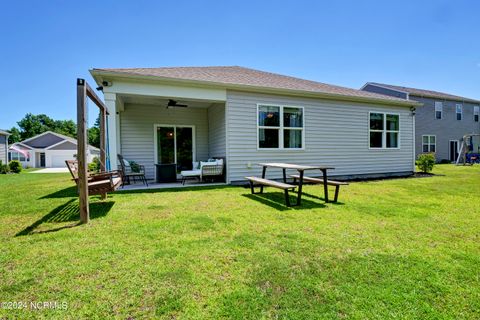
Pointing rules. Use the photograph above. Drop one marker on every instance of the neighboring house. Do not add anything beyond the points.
(248, 116)
(47, 150)
(4, 146)
(441, 122)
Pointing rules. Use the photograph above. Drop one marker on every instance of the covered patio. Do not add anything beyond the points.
(160, 129)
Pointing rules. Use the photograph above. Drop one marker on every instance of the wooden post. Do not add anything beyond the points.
(103, 146)
(81, 151)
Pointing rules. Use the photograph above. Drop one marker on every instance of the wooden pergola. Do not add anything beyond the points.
(84, 91)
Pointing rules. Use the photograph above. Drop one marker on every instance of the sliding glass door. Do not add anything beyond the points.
(175, 144)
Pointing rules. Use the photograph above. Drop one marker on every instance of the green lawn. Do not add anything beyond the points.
(403, 248)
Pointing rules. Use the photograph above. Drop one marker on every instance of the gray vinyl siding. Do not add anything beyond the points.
(67, 145)
(3, 149)
(445, 129)
(216, 131)
(137, 131)
(336, 134)
(385, 91)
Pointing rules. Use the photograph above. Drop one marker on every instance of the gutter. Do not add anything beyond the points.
(99, 75)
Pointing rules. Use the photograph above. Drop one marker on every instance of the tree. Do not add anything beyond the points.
(14, 135)
(32, 125)
(66, 127)
(94, 133)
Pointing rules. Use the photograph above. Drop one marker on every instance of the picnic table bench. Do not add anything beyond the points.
(284, 166)
(271, 183)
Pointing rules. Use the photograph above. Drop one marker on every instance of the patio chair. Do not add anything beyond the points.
(208, 170)
(127, 171)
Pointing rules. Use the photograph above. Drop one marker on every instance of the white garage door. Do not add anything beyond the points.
(58, 160)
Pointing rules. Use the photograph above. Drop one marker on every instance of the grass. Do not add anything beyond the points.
(403, 248)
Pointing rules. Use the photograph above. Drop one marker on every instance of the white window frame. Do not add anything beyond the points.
(384, 131)
(18, 156)
(280, 128)
(476, 112)
(457, 105)
(429, 143)
(438, 108)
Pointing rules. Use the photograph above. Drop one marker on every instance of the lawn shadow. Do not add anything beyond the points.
(309, 195)
(175, 189)
(276, 200)
(67, 212)
(69, 192)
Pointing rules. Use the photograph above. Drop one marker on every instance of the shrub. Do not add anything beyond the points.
(15, 166)
(94, 166)
(425, 162)
(4, 168)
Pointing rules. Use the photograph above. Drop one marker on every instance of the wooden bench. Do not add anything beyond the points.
(271, 183)
(337, 184)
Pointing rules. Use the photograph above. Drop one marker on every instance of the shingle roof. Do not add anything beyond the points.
(240, 76)
(4, 132)
(425, 93)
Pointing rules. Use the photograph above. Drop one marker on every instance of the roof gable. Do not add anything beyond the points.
(65, 145)
(43, 140)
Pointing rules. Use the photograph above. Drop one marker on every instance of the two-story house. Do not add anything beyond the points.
(441, 122)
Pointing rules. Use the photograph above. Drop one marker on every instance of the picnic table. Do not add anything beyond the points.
(301, 169)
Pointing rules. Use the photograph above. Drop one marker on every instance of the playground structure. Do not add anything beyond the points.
(469, 150)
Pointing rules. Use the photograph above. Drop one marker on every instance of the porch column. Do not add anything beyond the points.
(110, 102)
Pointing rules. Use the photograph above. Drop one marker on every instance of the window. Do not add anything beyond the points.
(16, 156)
(384, 130)
(438, 109)
(280, 127)
(429, 143)
(476, 113)
(459, 111)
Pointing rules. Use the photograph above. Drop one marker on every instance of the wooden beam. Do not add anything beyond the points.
(93, 96)
(81, 150)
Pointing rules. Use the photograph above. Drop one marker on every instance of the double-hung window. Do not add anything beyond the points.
(438, 110)
(476, 113)
(459, 111)
(429, 143)
(384, 130)
(280, 127)
(17, 156)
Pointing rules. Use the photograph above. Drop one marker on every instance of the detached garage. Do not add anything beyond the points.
(47, 150)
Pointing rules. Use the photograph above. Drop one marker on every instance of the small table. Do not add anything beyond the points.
(300, 169)
(166, 172)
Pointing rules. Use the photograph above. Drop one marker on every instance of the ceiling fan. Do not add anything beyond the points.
(174, 104)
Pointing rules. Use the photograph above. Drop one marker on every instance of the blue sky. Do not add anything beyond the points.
(46, 45)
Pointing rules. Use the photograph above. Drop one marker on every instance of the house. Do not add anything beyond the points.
(47, 150)
(4, 146)
(246, 116)
(442, 121)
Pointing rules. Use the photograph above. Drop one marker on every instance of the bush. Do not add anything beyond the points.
(425, 162)
(445, 161)
(15, 166)
(94, 166)
(4, 168)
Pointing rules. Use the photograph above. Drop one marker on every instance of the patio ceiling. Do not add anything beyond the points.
(162, 101)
